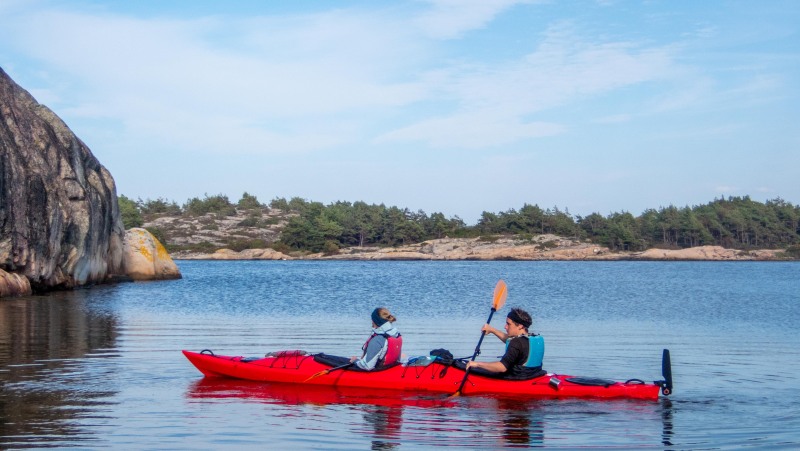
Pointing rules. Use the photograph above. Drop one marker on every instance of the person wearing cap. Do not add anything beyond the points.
(383, 348)
(524, 351)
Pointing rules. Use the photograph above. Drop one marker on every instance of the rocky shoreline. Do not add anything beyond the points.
(542, 247)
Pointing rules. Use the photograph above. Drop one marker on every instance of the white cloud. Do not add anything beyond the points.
(178, 59)
(686, 93)
(172, 80)
(613, 119)
(268, 80)
(448, 19)
(494, 103)
(472, 131)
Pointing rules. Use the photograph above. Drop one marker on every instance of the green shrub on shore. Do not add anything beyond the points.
(218, 204)
(330, 248)
(159, 234)
(249, 202)
(129, 211)
(551, 244)
(159, 206)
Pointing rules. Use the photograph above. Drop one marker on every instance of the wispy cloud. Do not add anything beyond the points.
(448, 19)
(493, 102)
(614, 119)
(471, 131)
(171, 79)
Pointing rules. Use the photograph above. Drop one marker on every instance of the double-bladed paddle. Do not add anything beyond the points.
(324, 372)
(499, 299)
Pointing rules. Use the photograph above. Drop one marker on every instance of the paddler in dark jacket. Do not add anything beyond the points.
(384, 346)
(524, 351)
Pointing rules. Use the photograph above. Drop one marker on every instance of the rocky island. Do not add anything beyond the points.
(507, 248)
(188, 233)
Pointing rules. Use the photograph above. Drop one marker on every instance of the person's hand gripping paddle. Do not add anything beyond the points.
(500, 294)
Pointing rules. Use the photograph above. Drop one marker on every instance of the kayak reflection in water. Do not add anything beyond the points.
(524, 351)
(384, 346)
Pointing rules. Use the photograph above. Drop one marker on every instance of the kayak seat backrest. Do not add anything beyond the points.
(386, 367)
(335, 360)
(460, 364)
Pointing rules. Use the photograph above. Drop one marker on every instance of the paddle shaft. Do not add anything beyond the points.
(330, 370)
(340, 367)
(477, 351)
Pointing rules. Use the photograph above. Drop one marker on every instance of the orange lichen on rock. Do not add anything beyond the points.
(161, 251)
(146, 258)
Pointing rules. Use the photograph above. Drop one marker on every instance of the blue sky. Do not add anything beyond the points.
(452, 106)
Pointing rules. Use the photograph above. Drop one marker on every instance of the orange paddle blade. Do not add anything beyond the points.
(321, 373)
(500, 294)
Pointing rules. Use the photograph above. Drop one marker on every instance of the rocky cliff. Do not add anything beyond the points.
(59, 219)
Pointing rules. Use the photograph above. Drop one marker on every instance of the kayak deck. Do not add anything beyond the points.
(296, 367)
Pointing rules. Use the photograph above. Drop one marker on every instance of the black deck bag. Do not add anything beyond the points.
(443, 356)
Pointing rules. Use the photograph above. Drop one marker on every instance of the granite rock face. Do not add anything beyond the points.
(13, 285)
(60, 224)
(146, 258)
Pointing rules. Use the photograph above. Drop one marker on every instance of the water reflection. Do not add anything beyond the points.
(210, 388)
(522, 422)
(512, 422)
(44, 341)
(666, 418)
(388, 419)
(55, 326)
(381, 410)
(385, 423)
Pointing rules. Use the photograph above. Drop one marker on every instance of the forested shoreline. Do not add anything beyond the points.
(733, 222)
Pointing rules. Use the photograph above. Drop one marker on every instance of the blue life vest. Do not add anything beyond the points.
(535, 350)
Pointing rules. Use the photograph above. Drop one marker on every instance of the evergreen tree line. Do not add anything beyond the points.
(735, 222)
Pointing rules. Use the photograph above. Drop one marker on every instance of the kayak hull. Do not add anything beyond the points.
(296, 368)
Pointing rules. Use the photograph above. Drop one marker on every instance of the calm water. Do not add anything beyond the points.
(101, 367)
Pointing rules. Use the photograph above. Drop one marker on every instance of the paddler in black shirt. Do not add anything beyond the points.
(524, 351)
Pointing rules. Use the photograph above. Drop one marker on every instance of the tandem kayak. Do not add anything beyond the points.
(299, 367)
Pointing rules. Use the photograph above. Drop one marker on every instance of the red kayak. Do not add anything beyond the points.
(299, 367)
